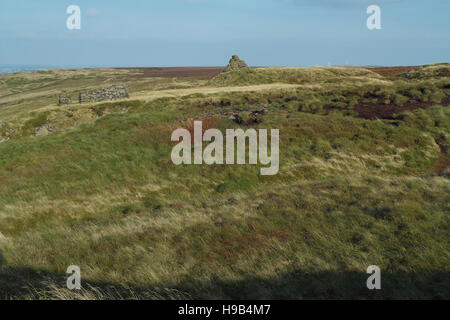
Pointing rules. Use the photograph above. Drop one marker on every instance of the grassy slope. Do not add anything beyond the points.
(294, 76)
(350, 193)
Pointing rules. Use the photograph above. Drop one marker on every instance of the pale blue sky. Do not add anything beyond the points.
(208, 32)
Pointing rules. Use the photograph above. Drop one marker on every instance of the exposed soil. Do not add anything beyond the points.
(177, 72)
(392, 71)
(387, 111)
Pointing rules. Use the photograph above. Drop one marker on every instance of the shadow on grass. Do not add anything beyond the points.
(27, 283)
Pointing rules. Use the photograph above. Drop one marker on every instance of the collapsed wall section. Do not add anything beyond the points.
(112, 93)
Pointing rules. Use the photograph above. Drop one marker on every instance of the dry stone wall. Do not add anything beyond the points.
(64, 100)
(112, 93)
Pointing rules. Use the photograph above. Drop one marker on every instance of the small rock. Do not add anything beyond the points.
(41, 132)
(238, 119)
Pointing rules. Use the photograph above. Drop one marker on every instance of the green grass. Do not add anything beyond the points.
(292, 76)
(103, 194)
(438, 70)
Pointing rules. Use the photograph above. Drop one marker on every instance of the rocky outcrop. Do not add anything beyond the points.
(41, 131)
(111, 93)
(235, 64)
(5, 132)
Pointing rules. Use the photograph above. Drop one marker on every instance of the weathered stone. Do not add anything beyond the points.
(41, 132)
(64, 100)
(238, 119)
(235, 64)
(258, 112)
(111, 93)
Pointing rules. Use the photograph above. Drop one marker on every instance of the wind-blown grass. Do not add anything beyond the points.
(103, 194)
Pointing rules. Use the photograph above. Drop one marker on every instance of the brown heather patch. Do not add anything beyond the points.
(443, 163)
(161, 134)
(392, 71)
(173, 72)
(387, 111)
(229, 241)
(153, 135)
(244, 244)
(207, 123)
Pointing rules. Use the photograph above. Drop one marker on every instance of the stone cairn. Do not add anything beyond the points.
(235, 64)
(112, 93)
(64, 100)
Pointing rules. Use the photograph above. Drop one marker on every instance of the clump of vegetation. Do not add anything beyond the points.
(439, 70)
(400, 100)
(36, 121)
